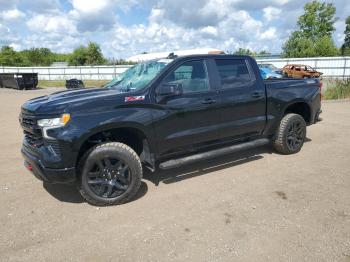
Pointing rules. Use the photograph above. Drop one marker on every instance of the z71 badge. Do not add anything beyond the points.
(134, 98)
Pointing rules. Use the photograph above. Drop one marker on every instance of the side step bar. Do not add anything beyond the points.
(213, 153)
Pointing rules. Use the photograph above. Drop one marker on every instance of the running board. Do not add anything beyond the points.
(213, 153)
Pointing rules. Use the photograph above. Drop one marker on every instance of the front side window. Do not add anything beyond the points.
(192, 76)
(233, 73)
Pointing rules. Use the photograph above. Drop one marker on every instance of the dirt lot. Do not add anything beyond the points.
(253, 206)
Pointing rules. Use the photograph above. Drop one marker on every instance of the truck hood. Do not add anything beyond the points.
(60, 102)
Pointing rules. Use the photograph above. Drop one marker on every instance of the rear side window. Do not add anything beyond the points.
(233, 73)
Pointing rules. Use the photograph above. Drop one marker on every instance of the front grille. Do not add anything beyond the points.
(32, 134)
(34, 140)
(28, 122)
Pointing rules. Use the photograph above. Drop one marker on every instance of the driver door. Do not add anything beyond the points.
(189, 119)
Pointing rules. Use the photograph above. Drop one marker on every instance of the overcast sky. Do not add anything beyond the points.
(128, 27)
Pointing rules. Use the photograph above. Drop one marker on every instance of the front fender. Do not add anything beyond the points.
(83, 126)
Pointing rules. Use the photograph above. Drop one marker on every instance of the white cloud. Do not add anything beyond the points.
(11, 15)
(62, 25)
(271, 13)
(210, 31)
(162, 34)
(90, 6)
(16, 47)
(7, 36)
(269, 34)
(52, 24)
(98, 6)
(39, 6)
(4, 30)
(6, 4)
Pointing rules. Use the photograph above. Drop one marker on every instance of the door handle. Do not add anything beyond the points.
(257, 94)
(208, 101)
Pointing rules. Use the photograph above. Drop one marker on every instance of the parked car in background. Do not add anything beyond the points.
(74, 84)
(269, 71)
(300, 71)
(271, 67)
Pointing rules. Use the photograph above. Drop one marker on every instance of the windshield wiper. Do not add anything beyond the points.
(113, 85)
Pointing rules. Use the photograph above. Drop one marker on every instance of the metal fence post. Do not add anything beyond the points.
(316, 63)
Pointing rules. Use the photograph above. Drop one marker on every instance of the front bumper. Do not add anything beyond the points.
(50, 175)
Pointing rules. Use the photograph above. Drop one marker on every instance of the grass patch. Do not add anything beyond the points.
(62, 83)
(337, 89)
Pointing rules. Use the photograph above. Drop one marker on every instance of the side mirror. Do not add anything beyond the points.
(169, 89)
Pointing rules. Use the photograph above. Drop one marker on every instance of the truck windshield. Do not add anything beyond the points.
(138, 76)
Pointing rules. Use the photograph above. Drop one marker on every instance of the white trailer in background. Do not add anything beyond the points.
(151, 56)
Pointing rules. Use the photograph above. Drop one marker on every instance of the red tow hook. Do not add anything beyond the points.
(28, 166)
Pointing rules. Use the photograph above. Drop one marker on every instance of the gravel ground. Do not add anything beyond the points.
(252, 206)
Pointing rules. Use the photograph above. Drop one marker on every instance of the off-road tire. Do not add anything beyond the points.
(122, 152)
(280, 142)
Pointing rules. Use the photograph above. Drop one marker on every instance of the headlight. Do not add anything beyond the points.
(54, 122)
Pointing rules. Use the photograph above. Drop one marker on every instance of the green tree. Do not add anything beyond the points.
(60, 57)
(94, 55)
(318, 20)
(243, 51)
(78, 56)
(298, 46)
(314, 37)
(39, 56)
(45, 57)
(9, 57)
(345, 49)
(90, 55)
(324, 46)
(264, 53)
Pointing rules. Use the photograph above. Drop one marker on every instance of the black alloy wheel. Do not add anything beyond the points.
(290, 135)
(109, 177)
(111, 174)
(295, 135)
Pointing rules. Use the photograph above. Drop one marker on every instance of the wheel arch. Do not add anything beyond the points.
(134, 135)
(299, 107)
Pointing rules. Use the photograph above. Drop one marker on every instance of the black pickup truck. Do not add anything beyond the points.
(162, 114)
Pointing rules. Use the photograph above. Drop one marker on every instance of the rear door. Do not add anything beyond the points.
(242, 99)
(190, 119)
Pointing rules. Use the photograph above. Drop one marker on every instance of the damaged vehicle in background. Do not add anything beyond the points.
(300, 71)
